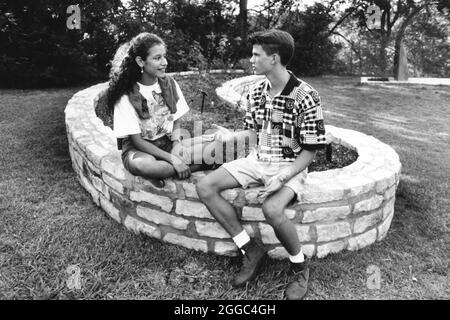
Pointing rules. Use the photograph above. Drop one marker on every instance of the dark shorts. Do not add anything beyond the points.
(129, 150)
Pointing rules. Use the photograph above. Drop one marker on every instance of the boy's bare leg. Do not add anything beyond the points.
(209, 189)
(273, 209)
(253, 250)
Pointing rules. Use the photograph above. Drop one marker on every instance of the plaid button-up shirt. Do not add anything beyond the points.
(287, 123)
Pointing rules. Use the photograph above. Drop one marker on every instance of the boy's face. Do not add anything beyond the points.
(261, 61)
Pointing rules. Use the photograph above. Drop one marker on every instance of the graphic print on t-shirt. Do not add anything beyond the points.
(160, 122)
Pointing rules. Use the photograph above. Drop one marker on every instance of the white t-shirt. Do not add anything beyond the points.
(127, 122)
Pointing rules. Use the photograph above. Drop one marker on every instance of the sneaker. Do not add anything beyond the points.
(296, 290)
(255, 254)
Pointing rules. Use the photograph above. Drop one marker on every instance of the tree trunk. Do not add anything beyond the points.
(399, 38)
(243, 19)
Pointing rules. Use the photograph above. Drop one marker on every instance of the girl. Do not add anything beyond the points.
(148, 105)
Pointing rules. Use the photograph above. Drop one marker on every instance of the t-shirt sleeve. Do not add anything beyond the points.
(182, 106)
(126, 121)
(311, 125)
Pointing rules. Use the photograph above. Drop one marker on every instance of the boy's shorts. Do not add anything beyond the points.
(250, 171)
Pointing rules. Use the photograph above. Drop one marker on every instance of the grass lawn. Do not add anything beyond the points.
(48, 222)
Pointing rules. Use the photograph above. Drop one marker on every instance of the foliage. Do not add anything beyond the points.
(315, 52)
(37, 49)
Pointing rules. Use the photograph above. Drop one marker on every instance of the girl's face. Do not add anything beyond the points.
(156, 62)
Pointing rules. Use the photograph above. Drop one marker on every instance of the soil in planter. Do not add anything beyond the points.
(340, 157)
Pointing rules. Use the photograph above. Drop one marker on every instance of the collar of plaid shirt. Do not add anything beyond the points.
(290, 85)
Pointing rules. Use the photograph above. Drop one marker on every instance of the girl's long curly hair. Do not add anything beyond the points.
(124, 69)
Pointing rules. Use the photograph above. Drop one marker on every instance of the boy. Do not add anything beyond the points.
(286, 115)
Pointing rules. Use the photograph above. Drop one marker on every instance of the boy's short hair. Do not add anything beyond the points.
(275, 41)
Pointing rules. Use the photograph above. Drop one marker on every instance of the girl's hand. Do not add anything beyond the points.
(181, 168)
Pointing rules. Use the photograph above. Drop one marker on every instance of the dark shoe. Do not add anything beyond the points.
(157, 183)
(255, 254)
(296, 290)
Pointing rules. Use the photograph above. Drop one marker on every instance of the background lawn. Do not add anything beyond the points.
(48, 222)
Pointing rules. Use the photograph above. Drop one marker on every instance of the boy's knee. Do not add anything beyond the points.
(273, 212)
(204, 189)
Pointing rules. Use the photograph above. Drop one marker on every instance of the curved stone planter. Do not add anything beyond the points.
(338, 209)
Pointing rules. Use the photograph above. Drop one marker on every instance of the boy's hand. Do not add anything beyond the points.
(276, 182)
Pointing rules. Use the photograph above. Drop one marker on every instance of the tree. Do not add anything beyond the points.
(37, 49)
(396, 16)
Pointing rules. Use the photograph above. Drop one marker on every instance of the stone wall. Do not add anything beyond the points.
(338, 209)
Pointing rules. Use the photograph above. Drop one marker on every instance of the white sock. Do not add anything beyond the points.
(241, 239)
(298, 258)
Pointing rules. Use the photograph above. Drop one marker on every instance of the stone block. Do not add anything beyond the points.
(303, 233)
(252, 214)
(326, 213)
(110, 209)
(384, 227)
(90, 189)
(386, 179)
(211, 229)
(251, 195)
(225, 248)
(192, 209)
(196, 244)
(331, 247)
(113, 166)
(362, 240)
(333, 231)
(164, 203)
(77, 134)
(78, 158)
(113, 183)
(365, 222)
(162, 218)
(357, 184)
(190, 190)
(390, 193)
(100, 186)
(290, 213)
(96, 153)
(267, 234)
(230, 194)
(140, 227)
(320, 193)
(388, 208)
(368, 204)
